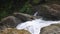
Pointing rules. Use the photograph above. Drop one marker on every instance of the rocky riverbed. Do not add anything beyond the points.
(9, 23)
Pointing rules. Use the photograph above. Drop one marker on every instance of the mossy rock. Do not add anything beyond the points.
(14, 31)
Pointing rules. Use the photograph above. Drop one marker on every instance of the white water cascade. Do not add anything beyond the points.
(35, 14)
(35, 26)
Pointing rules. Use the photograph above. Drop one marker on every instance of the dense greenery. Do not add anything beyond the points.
(27, 8)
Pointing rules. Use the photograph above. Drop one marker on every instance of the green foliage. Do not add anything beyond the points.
(27, 8)
(8, 8)
(5, 9)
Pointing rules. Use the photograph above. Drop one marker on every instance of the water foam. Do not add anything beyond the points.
(35, 26)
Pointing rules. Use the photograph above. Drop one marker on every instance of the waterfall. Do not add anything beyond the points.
(35, 14)
(35, 26)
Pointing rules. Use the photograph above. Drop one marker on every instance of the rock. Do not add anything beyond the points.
(14, 31)
(24, 17)
(48, 11)
(9, 21)
(52, 29)
(15, 19)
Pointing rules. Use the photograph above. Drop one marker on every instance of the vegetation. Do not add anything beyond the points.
(7, 7)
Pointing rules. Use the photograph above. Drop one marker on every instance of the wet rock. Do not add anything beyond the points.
(9, 21)
(52, 29)
(14, 31)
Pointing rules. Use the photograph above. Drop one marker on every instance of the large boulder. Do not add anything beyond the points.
(52, 29)
(48, 11)
(9, 21)
(14, 20)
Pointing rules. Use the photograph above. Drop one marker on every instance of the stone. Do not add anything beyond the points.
(15, 19)
(14, 31)
(52, 29)
(9, 21)
(24, 17)
(48, 11)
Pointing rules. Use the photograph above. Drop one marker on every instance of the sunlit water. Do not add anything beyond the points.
(35, 26)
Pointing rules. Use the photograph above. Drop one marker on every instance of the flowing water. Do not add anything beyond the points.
(35, 26)
(35, 14)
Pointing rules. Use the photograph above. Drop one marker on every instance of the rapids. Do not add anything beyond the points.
(35, 26)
